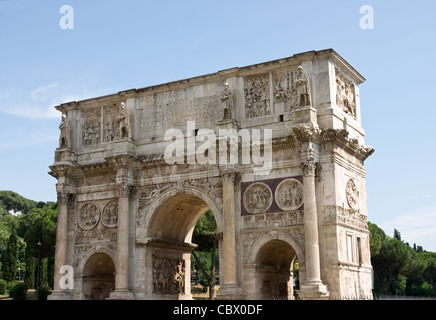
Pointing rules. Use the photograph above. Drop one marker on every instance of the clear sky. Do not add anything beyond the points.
(119, 45)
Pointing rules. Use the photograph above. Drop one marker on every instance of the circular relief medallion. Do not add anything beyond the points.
(352, 194)
(109, 217)
(289, 194)
(257, 198)
(89, 215)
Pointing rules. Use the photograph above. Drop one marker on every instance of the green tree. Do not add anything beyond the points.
(429, 273)
(40, 239)
(10, 259)
(13, 201)
(203, 235)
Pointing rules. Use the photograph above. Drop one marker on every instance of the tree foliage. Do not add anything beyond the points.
(10, 258)
(13, 201)
(36, 224)
(397, 267)
(207, 243)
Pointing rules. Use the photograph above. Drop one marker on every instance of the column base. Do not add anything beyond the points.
(313, 291)
(230, 292)
(60, 295)
(121, 295)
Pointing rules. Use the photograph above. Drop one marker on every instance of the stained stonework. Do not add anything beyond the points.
(126, 215)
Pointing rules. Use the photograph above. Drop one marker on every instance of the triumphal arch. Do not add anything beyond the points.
(275, 150)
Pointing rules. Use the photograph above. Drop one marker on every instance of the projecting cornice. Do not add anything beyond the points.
(303, 133)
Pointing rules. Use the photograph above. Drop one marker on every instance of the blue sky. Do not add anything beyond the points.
(119, 45)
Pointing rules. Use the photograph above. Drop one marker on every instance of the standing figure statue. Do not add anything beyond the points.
(303, 88)
(64, 138)
(227, 99)
(124, 122)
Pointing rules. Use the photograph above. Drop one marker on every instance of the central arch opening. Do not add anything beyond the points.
(169, 249)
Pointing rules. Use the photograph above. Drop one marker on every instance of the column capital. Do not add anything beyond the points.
(230, 175)
(65, 197)
(125, 189)
(309, 168)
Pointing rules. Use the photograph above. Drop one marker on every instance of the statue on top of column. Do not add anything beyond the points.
(303, 88)
(124, 122)
(64, 138)
(227, 99)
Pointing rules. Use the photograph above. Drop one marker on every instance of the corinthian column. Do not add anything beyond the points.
(61, 244)
(229, 229)
(313, 283)
(122, 275)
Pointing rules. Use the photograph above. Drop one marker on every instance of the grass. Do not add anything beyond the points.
(199, 294)
(31, 295)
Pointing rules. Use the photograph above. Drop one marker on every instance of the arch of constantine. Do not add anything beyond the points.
(276, 150)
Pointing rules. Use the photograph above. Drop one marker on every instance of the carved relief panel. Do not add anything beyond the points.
(284, 88)
(257, 198)
(89, 216)
(90, 230)
(289, 194)
(111, 123)
(271, 196)
(352, 194)
(345, 94)
(257, 96)
(168, 275)
(91, 129)
(109, 217)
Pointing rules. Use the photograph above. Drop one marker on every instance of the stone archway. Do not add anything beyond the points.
(98, 276)
(274, 271)
(168, 249)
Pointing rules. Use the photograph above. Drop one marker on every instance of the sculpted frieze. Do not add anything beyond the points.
(272, 220)
(168, 275)
(352, 194)
(289, 194)
(348, 217)
(89, 216)
(257, 198)
(284, 88)
(96, 235)
(257, 96)
(345, 94)
(91, 130)
(109, 217)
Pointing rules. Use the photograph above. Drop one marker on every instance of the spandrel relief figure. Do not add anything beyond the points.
(227, 100)
(303, 88)
(64, 138)
(124, 122)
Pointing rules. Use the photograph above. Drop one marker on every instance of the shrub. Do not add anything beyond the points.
(2, 286)
(43, 292)
(18, 291)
